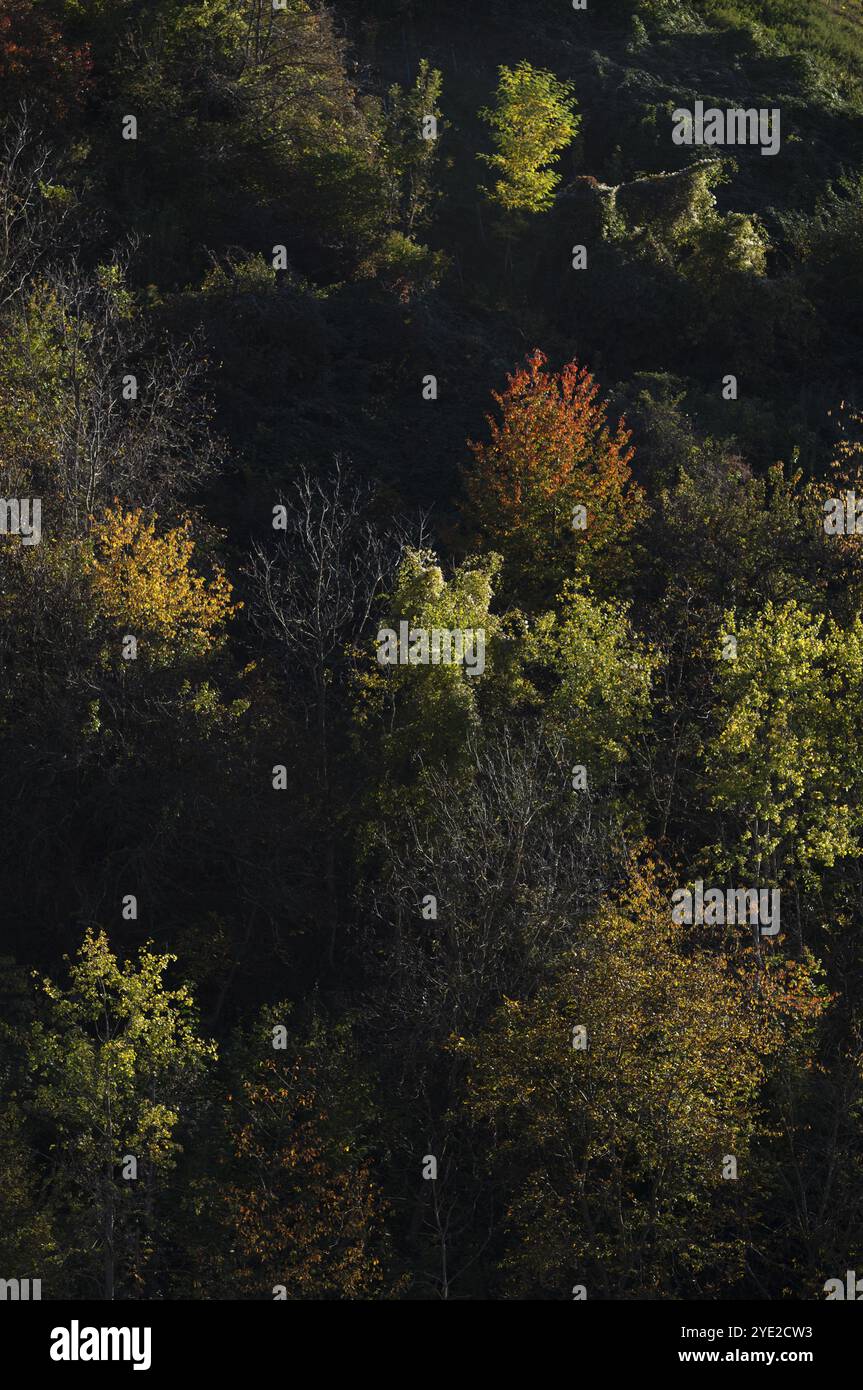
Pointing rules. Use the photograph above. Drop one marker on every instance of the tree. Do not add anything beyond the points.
(409, 153)
(150, 752)
(28, 1239)
(418, 710)
(783, 765)
(34, 206)
(512, 857)
(609, 1144)
(509, 859)
(145, 583)
(314, 591)
(113, 1059)
(305, 1211)
(597, 675)
(36, 63)
(88, 411)
(252, 122)
(551, 489)
(533, 120)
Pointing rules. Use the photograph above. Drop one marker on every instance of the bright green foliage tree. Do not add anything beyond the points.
(611, 1153)
(110, 1061)
(533, 120)
(784, 766)
(601, 674)
(429, 709)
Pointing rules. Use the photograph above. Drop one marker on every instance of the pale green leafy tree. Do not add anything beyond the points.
(421, 715)
(433, 706)
(782, 768)
(602, 675)
(111, 1062)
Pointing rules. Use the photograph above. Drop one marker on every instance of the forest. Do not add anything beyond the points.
(431, 649)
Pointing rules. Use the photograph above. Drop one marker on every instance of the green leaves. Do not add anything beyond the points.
(409, 146)
(784, 766)
(111, 1056)
(601, 699)
(434, 704)
(533, 120)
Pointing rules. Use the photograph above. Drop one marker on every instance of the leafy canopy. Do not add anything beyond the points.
(533, 120)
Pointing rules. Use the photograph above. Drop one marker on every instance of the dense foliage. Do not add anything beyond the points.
(323, 977)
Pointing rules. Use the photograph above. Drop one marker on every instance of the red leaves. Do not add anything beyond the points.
(34, 58)
(551, 449)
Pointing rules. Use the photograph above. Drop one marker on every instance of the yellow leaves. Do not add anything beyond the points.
(627, 1132)
(787, 702)
(534, 119)
(146, 585)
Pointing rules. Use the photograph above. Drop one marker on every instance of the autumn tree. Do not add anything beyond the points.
(36, 63)
(612, 1098)
(133, 743)
(551, 488)
(304, 1208)
(145, 583)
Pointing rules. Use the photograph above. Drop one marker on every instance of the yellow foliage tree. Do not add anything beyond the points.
(146, 584)
(615, 1096)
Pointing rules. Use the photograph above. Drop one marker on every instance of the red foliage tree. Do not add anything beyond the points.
(551, 451)
(36, 64)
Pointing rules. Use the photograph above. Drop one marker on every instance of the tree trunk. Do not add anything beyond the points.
(108, 1239)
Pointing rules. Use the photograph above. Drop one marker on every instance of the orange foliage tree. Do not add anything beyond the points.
(552, 488)
(307, 1217)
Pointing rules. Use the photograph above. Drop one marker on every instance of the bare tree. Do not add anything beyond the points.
(513, 860)
(32, 208)
(314, 592)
